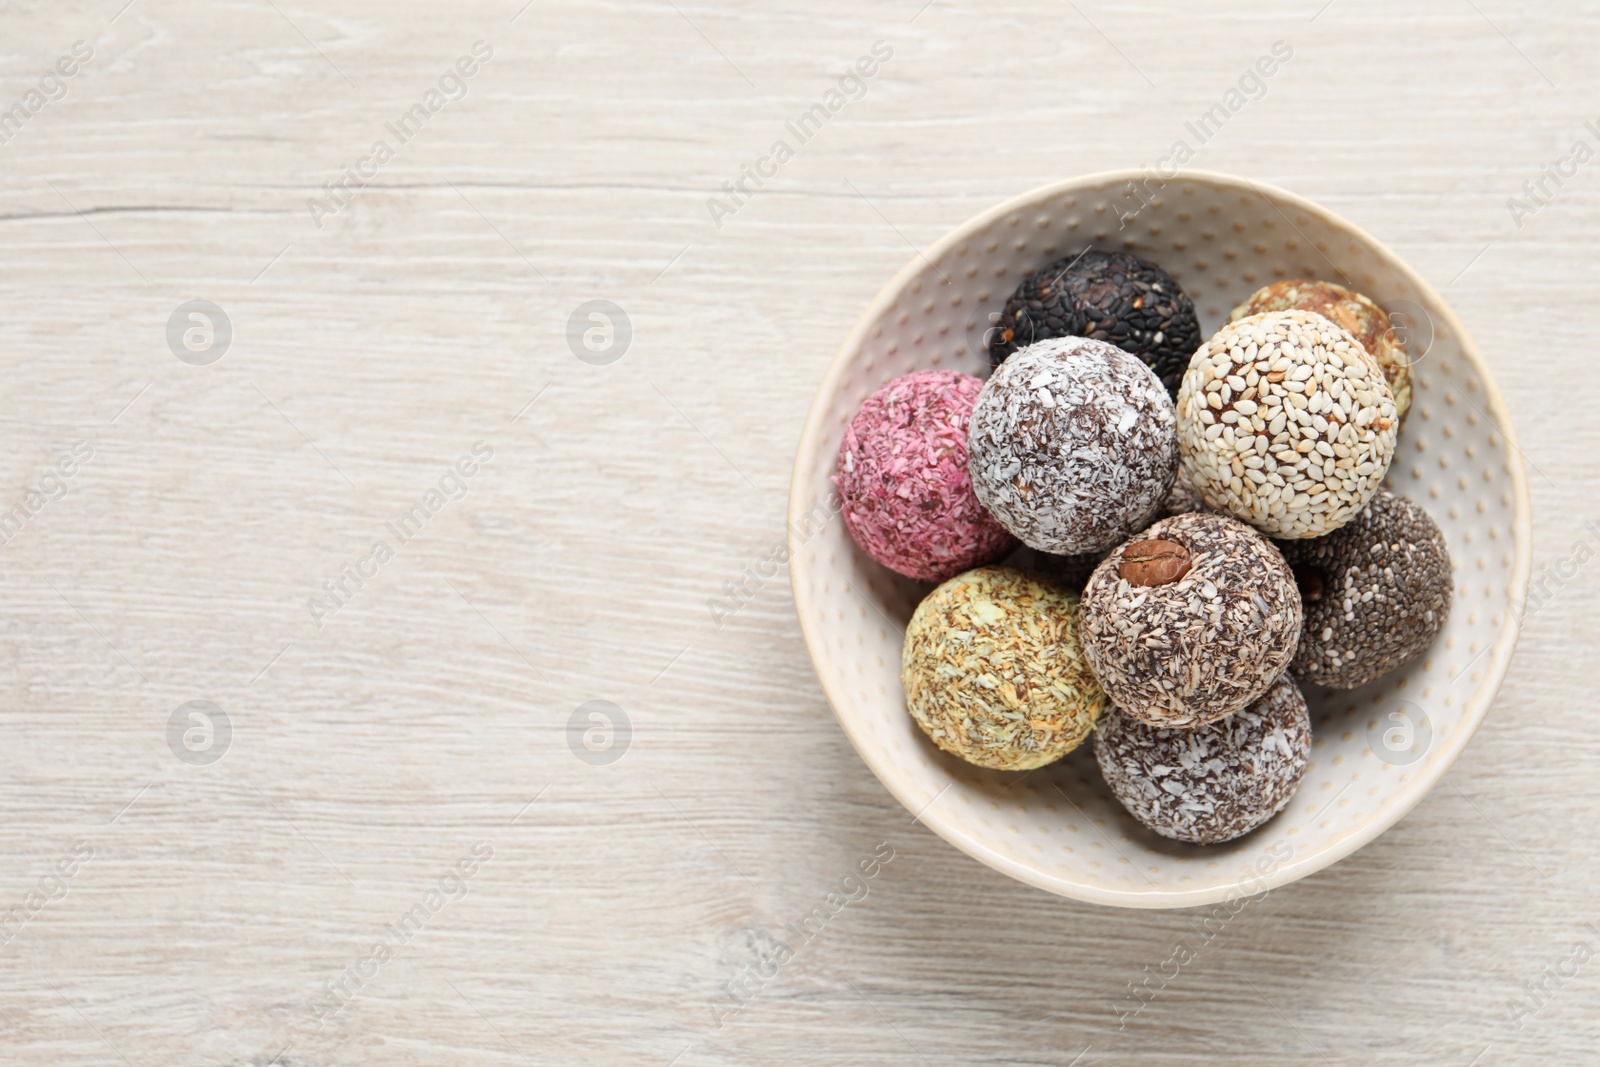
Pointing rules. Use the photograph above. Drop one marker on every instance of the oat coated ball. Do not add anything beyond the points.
(903, 484)
(1376, 593)
(1106, 296)
(993, 672)
(1365, 320)
(1072, 445)
(1212, 783)
(1284, 423)
(1191, 622)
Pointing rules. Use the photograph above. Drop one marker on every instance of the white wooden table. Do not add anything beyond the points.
(410, 736)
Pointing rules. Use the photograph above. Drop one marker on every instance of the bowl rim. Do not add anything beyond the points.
(1474, 708)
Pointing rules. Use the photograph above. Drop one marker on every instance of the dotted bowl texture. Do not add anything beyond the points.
(1376, 751)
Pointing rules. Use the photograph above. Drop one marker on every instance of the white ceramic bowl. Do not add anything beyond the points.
(1059, 828)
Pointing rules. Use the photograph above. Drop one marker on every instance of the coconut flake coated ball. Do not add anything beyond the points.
(1106, 296)
(1285, 423)
(1073, 445)
(1376, 593)
(1216, 782)
(1190, 622)
(903, 483)
(993, 672)
(1367, 322)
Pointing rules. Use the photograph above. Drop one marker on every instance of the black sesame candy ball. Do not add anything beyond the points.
(1376, 593)
(1106, 296)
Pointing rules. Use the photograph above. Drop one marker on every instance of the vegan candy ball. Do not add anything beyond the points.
(1213, 783)
(1367, 322)
(902, 477)
(1376, 593)
(1106, 296)
(993, 672)
(1072, 445)
(1191, 622)
(1284, 423)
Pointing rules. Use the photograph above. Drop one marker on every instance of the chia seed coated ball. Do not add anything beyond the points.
(1367, 322)
(993, 672)
(1213, 783)
(1073, 445)
(1284, 423)
(1376, 593)
(1106, 296)
(903, 483)
(1191, 622)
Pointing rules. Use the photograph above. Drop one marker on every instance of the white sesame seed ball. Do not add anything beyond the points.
(1072, 445)
(1284, 423)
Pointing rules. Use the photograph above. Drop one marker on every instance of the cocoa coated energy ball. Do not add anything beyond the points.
(1366, 321)
(1072, 445)
(1376, 593)
(993, 672)
(1284, 423)
(902, 477)
(1213, 783)
(1191, 622)
(1106, 296)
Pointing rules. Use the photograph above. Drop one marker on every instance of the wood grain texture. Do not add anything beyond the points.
(369, 754)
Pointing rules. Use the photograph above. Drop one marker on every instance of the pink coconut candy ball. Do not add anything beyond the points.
(902, 478)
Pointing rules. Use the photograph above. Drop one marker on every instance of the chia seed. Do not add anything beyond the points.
(1376, 593)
